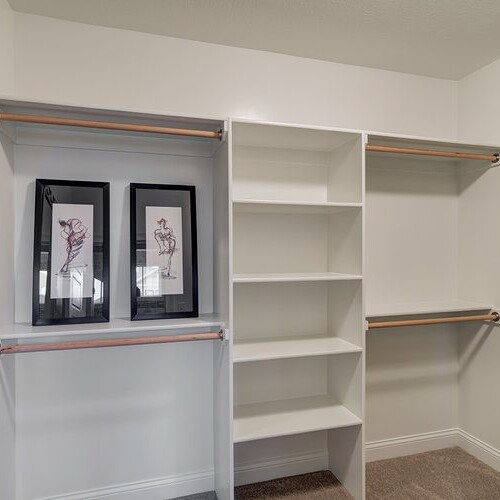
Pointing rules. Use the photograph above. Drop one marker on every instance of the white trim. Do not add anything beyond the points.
(410, 445)
(256, 472)
(479, 449)
(166, 487)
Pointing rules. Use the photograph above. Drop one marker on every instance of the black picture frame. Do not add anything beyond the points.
(154, 303)
(93, 308)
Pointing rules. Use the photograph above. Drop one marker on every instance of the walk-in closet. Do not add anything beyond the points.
(249, 250)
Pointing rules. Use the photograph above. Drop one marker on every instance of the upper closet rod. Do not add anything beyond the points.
(129, 127)
(88, 344)
(494, 316)
(494, 158)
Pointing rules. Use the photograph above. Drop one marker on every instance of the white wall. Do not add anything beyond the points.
(6, 48)
(98, 66)
(479, 112)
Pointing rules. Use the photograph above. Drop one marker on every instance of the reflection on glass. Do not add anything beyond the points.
(98, 291)
(148, 281)
(43, 286)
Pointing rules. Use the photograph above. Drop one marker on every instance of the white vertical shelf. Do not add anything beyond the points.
(298, 325)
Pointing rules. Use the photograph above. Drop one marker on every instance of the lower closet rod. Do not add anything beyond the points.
(494, 316)
(90, 344)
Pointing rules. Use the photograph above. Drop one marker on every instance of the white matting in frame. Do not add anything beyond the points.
(164, 254)
(72, 253)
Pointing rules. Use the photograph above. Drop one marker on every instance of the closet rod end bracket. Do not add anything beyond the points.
(496, 317)
(496, 161)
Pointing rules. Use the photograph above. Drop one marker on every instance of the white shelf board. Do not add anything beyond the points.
(290, 416)
(414, 308)
(289, 347)
(292, 277)
(25, 331)
(291, 207)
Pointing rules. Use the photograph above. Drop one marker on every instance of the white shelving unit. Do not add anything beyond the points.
(32, 151)
(297, 225)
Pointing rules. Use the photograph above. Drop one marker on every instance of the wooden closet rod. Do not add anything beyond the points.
(494, 316)
(90, 344)
(494, 158)
(129, 127)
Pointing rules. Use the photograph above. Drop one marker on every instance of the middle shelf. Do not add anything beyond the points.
(290, 416)
(290, 347)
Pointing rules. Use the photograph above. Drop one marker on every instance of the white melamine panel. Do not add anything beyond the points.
(264, 381)
(7, 364)
(293, 277)
(288, 310)
(345, 458)
(120, 168)
(280, 174)
(295, 175)
(256, 206)
(222, 295)
(411, 231)
(288, 417)
(280, 243)
(262, 460)
(263, 310)
(297, 243)
(289, 347)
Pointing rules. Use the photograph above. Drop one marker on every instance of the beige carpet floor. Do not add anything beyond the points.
(449, 474)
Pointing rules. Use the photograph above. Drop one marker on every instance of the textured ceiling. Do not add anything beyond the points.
(440, 38)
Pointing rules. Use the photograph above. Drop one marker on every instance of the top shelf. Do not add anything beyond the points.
(26, 332)
(416, 308)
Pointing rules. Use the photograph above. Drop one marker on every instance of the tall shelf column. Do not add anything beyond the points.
(298, 322)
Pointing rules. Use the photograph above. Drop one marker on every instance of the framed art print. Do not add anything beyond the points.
(163, 251)
(71, 252)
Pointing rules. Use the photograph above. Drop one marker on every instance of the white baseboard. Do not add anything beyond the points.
(190, 484)
(164, 488)
(479, 449)
(281, 467)
(409, 445)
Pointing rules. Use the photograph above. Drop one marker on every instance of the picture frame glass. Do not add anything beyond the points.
(164, 268)
(71, 252)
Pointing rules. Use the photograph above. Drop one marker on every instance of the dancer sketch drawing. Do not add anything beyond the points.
(75, 233)
(164, 236)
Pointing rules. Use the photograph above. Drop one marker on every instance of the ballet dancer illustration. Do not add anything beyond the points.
(164, 236)
(75, 233)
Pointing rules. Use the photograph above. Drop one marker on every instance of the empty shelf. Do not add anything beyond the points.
(290, 416)
(290, 347)
(414, 308)
(292, 277)
(291, 207)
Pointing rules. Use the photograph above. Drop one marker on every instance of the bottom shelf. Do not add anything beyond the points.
(290, 416)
